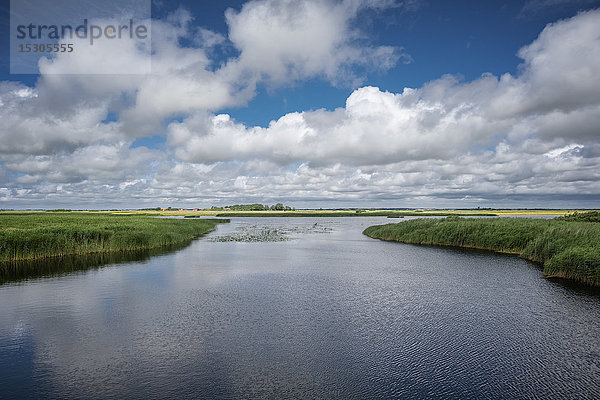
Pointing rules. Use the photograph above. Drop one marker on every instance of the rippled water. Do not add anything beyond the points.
(323, 315)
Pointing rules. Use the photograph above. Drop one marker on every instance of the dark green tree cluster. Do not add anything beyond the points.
(255, 207)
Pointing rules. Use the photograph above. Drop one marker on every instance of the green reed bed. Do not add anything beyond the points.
(567, 247)
(32, 236)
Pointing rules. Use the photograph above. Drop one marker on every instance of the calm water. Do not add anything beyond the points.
(328, 314)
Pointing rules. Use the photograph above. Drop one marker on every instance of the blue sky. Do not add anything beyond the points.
(466, 38)
(260, 134)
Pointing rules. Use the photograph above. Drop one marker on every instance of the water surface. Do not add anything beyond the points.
(323, 314)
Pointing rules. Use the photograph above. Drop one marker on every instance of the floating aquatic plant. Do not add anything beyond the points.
(269, 233)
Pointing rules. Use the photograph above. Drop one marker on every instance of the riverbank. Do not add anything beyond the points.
(37, 236)
(568, 248)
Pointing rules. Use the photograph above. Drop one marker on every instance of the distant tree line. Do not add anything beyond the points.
(235, 207)
(255, 207)
(160, 209)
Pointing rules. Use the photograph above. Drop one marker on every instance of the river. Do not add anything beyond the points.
(319, 312)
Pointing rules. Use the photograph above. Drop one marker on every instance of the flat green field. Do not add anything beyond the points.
(39, 235)
(567, 247)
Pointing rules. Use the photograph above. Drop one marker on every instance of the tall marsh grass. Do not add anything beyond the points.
(33, 236)
(567, 248)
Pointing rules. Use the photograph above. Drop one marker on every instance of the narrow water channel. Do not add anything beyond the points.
(302, 308)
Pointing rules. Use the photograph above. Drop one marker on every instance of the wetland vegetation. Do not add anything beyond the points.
(36, 236)
(567, 247)
(269, 233)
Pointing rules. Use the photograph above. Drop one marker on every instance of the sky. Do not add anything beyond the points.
(329, 103)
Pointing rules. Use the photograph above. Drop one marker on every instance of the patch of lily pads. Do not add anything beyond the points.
(257, 233)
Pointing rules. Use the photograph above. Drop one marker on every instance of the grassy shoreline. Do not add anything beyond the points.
(38, 236)
(567, 248)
